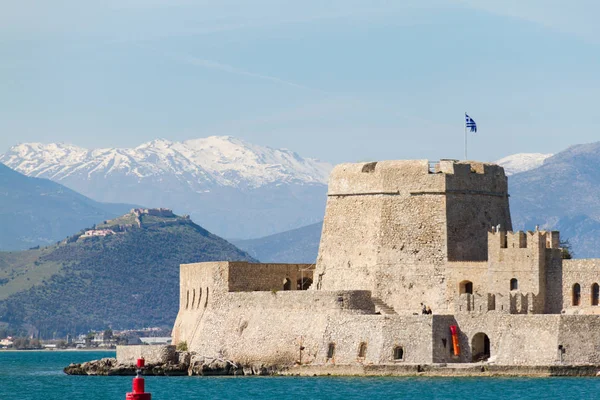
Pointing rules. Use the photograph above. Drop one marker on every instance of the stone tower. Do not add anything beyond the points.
(392, 227)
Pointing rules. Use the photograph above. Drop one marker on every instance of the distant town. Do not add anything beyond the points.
(106, 339)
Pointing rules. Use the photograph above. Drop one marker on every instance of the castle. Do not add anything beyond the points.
(400, 236)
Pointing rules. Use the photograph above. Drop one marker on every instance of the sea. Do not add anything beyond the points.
(38, 375)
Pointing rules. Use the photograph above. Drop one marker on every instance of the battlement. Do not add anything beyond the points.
(523, 240)
(418, 177)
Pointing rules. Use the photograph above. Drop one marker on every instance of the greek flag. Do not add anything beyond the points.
(470, 123)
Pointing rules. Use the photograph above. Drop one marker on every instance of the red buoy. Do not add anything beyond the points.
(139, 385)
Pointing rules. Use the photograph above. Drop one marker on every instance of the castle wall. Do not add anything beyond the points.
(263, 327)
(476, 200)
(585, 272)
(391, 226)
(244, 276)
(514, 339)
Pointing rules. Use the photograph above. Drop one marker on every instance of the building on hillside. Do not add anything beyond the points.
(400, 238)
(97, 232)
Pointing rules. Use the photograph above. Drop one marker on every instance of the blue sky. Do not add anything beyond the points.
(341, 80)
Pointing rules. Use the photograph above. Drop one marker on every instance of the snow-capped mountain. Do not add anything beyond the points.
(233, 188)
(216, 160)
(522, 162)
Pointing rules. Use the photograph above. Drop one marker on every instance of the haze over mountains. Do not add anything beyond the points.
(231, 187)
(39, 212)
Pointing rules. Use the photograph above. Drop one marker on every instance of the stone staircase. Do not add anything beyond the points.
(383, 308)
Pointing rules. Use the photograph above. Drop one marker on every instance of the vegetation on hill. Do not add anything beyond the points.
(39, 212)
(123, 280)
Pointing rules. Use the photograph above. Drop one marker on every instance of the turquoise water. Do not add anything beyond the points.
(38, 375)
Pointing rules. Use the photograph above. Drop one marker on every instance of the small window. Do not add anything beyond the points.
(466, 287)
(514, 284)
(187, 301)
(199, 297)
(193, 297)
(576, 294)
(330, 351)
(595, 294)
(398, 353)
(362, 350)
(206, 299)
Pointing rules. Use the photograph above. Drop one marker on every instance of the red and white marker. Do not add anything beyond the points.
(138, 385)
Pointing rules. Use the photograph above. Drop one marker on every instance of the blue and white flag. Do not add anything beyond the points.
(470, 124)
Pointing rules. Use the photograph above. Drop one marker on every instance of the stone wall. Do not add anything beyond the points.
(476, 200)
(245, 277)
(270, 328)
(585, 272)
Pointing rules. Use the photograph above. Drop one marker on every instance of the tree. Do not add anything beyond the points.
(566, 250)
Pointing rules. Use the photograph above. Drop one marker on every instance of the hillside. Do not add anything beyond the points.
(562, 194)
(231, 187)
(295, 246)
(129, 278)
(39, 212)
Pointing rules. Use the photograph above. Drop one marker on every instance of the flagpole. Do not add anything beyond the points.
(465, 122)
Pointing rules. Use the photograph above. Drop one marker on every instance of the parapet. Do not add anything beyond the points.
(523, 240)
(417, 176)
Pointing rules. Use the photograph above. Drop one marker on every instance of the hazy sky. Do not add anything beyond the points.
(340, 80)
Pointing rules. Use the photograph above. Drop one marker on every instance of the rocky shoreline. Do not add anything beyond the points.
(207, 366)
(163, 360)
(187, 364)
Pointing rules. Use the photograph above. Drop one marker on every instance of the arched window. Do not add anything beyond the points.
(514, 284)
(330, 350)
(398, 353)
(466, 287)
(595, 294)
(362, 350)
(576, 294)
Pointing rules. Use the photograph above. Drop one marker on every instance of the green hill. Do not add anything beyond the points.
(127, 279)
(39, 212)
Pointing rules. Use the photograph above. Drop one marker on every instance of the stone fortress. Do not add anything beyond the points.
(399, 236)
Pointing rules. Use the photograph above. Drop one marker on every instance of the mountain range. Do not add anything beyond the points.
(231, 187)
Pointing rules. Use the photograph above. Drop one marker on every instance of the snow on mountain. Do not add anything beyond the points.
(216, 160)
(522, 162)
(230, 187)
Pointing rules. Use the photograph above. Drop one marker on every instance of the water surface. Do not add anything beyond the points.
(38, 375)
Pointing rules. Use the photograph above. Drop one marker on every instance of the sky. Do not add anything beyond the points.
(338, 80)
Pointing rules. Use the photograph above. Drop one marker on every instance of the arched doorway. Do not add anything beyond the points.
(480, 347)
(287, 284)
